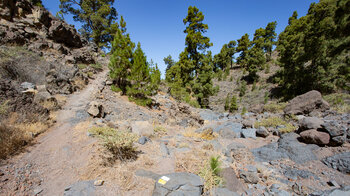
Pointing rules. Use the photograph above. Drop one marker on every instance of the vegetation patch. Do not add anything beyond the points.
(339, 102)
(274, 122)
(207, 134)
(4, 107)
(275, 107)
(210, 173)
(119, 143)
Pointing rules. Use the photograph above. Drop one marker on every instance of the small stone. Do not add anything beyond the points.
(333, 183)
(143, 140)
(262, 132)
(164, 149)
(99, 182)
(249, 177)
(37, 191)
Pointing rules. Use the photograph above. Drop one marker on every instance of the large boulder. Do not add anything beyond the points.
(306, 103)
(310, 123)
(313, 136)
(61, 32)
(340, 162)
(178, 184)
(96, 109)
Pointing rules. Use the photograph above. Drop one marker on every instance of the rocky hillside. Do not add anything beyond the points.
(42, 60)
(100, 143)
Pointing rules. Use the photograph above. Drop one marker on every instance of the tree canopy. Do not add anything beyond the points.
(97, 16)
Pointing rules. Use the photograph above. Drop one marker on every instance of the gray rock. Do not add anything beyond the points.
(262, 132)
(333, 192)
(249, 133)
(338, 140)
(333, 183)
(27, 86)
(223, 192)
(143, 140)
(287, 147)
(82, 188)
(340, 162)
(232, 183)
(310, 123)
(228, 134)
(96, 109)
(209, 115)
(164, 149)
(249, 177)
(251, 168)
(179, 184)
(334, 128)
(283, 193)
(147, 174)
(292, 173)
(37, 191)
(248, 124)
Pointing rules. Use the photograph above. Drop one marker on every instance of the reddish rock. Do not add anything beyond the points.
(306, 103)
(315, 137)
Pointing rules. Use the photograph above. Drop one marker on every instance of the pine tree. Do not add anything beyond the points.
(233, 105)
(224, 59)
(191, 76)
(243, 47)
(256, 56)
(169, 62)
(269, 37)
(314, 50)
(155, 78)
(97, 16)
(203, 84)
(227, 102)
(121, 58)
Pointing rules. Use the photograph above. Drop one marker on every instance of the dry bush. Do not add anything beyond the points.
(210, 173)
(274, 122)
(14, 136)
(207, 134)
(118, 143)
(275, 107)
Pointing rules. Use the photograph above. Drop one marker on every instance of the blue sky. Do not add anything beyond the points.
(158, 26)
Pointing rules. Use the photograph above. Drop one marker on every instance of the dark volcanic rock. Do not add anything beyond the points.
(179, 184)
(340, 162)
(306, 103)
(249, 177)
(333, 192)
(287, 147)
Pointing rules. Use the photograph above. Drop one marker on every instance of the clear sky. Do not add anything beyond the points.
(158, 26)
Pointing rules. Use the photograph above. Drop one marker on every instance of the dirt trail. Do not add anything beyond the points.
(60, 154)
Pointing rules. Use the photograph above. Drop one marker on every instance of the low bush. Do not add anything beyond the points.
(275, 107)
(119, 143)
(210, 173)
(274, 122)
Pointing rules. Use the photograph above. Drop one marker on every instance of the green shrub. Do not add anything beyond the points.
(231, 78)
(244, 110)
(274, 122)
(254, 86)
(243, 88)
(119, 143)
(115, 88)
(266, 97)
(96, 66)
(210, 174)
(82, 66)
(227, 102)
(233, 105)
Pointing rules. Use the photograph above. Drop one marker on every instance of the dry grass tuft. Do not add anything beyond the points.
(118, 143)
(14, 136)
(274, 122)
(207, 134)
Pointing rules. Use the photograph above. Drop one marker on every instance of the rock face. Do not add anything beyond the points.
(287, 147)
(315, 137)
(80, 189)
(340, 162)
(179, 184)
(306, 103)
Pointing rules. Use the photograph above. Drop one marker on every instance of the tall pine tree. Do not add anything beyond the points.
(121, 58)
(97, 16)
